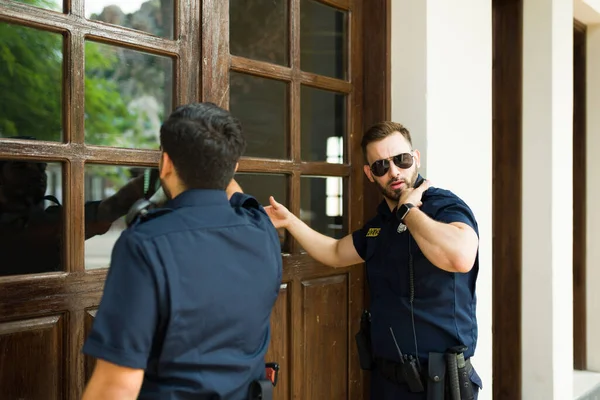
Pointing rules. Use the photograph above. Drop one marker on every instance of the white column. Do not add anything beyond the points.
(442, 92)
(547, 317)
(593, 198)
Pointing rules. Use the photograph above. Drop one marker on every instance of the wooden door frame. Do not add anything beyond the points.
(377, 85)
(507, 78)
(377, 98)
(579, 197)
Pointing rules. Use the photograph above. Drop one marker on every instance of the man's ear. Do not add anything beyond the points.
(417, 154)
(237, 164)
(166, 165)
(368, 173)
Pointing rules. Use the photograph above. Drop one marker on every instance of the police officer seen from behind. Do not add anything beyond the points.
(421, 254)
(188, 297)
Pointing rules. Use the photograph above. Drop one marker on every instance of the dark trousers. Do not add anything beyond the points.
(384, 389)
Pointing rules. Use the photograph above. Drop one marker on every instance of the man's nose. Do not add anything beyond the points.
(394, 170)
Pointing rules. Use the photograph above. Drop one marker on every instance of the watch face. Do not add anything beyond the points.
(402, 211)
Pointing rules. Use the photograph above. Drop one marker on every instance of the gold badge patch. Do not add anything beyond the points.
(373, 232)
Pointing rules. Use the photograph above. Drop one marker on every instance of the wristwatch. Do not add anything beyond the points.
(403, 211)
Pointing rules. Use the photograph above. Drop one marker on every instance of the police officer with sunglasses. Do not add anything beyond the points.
(421, 253)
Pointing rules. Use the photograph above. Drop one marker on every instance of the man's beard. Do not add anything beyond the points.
(394, 194)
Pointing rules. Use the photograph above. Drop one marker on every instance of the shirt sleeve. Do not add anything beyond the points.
(450, 208)
(250, 207)
(359, 239)
(126, 320)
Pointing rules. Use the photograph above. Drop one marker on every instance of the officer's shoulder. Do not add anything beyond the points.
(143, 218)
(441, 194)
(439, 198)
(244, 200)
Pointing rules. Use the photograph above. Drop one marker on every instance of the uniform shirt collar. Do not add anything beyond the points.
(199, 198)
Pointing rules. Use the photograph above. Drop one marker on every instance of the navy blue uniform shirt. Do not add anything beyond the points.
(188, 298)
(444, 302)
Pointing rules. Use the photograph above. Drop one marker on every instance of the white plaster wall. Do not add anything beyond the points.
(586, 11)
(442, 91)
(409, 71)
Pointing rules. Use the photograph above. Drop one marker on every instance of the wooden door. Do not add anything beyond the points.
(92, 84)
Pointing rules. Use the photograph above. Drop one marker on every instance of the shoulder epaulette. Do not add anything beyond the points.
(250, 202)
(146, 215)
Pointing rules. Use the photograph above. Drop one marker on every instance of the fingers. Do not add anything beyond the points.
(273, 203)
(424, 186)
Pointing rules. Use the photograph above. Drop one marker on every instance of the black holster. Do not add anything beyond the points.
(261, 390)
(436, 382)
(363, 342)
(449, 376)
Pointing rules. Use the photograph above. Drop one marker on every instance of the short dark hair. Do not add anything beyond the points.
(204, 142)
(380, 131)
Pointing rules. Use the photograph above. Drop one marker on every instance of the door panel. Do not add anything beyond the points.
(32, 358)
(326, 331)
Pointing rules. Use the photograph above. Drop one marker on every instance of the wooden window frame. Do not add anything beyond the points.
(72, 152)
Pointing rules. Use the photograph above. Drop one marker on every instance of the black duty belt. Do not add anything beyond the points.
(392, 370)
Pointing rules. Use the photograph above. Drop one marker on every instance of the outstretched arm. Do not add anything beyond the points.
(326, 250)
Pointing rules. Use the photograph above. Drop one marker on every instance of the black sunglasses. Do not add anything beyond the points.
(381, 167)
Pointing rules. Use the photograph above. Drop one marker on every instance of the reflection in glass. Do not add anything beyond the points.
(152, 16)
(258, 30)
(54, 5)
(261, 186)
(261, 106)
(31, 63)
(322, 205)
(323, 125)
(127, 95)
(31, 217)
(113, 190)
(323, 39)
